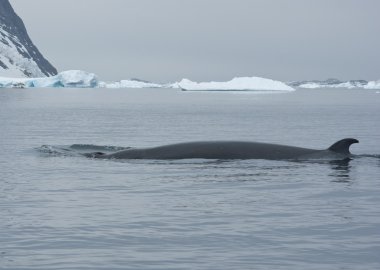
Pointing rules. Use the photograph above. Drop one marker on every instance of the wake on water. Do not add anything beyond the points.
(76, 150)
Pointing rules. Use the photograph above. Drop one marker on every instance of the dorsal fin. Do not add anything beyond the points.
(343, 146)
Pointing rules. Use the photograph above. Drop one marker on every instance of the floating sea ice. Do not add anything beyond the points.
(334, 83)
(236, 84)
(71, 78)
(133, 83)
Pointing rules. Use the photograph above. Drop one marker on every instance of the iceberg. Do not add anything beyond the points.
(77, 78)
(372, 85)
(70, 78)
(236, 84)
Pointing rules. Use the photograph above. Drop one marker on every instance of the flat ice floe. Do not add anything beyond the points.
(133, 83)
(334, 83)
(236, 84)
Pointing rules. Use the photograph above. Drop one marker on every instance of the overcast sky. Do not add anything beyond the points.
(203, 40)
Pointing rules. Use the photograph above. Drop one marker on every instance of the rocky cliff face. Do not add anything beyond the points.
(19, 57)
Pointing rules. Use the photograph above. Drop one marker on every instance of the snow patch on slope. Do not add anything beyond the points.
(12, 61)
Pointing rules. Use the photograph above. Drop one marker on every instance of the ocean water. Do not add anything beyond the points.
(60, 210)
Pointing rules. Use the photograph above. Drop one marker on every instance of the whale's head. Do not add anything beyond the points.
(343, 146)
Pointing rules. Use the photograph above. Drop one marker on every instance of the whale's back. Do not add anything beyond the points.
(225, 150)
(231, 150)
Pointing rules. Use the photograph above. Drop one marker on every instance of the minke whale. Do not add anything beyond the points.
(232, 150)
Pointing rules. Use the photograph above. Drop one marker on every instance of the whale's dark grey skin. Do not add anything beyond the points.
(232, 150)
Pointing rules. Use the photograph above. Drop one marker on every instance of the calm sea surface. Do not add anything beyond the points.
(59, 210)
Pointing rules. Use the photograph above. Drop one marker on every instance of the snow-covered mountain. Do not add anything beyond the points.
(19, 57)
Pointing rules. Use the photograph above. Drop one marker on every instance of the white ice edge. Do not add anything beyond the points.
(83, 79)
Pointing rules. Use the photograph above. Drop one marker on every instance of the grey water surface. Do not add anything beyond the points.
(60, 210)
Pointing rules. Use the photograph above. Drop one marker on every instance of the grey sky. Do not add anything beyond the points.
(166, 40)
